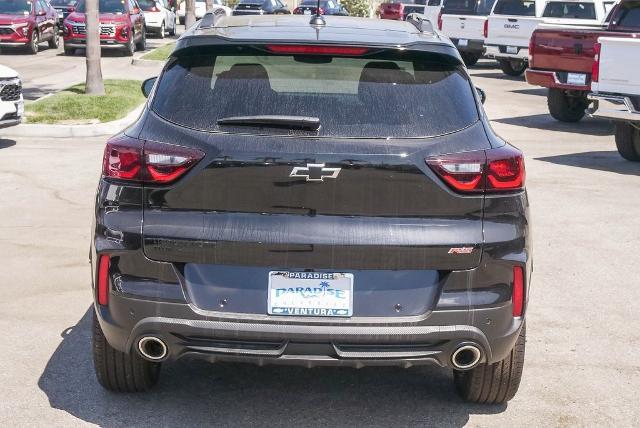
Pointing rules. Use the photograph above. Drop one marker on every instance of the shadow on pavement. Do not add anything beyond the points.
(587, 126)
(499, 75)
(542, 92)
(5, 143)
(609, 161)
(198, 393)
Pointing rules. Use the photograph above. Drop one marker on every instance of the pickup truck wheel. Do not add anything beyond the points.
(628, 141)
(470, 59)
(32, 46)
(54, 42)
(493, 383)
(512, 67)
(565, 107)
(117, 371)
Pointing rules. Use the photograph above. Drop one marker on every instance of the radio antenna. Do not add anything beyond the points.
(317, 19)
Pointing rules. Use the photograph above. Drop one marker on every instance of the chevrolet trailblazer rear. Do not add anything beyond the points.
(296, 194)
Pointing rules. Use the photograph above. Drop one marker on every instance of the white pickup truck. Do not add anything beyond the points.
(11, 101)
(615, 85)
(512, 22)
(464, 22)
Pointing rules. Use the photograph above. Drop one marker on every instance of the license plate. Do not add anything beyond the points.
(463, 42)
(316, 294)
(578, 79)
(512, 50)
(307, 12)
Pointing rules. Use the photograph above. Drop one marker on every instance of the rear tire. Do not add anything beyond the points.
(493, 383)
(512, 67)
(142, 44)
(470, 59)
(628, 141)
(182, 20)
(130, 47)
(162, 30)
(69, 51)
(54, 42)
(565, 107)
(117, 371)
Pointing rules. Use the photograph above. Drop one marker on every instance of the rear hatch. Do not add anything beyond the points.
(512, 22)
(354, 196)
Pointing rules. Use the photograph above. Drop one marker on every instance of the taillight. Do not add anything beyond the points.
(131, 160)
(71, 9)
(517, 294)
(532, 43)
(595, 68)
(485, 31)
(297, 11)
(103, 280)
(316, 50)
(321, 11)
(440, 21)
(495, 170)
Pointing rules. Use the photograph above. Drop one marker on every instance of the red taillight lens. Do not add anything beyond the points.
(316, 50)
(321, 11)
(440, 21)
(297, 11)
(486, 28)
(595, 68)
(495, 170)
(103, 280)
(532, 42)
(517, 295)
(129, 159)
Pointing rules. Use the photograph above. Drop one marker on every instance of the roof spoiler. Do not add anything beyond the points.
(421, 22)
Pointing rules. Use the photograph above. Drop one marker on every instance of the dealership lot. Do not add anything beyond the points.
(581, 366)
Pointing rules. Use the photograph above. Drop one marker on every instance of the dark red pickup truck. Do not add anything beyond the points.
(562, 60)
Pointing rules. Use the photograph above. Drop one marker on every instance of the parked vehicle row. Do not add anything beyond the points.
(27, 23)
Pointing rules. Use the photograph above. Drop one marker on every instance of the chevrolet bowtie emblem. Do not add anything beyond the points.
(314, 172)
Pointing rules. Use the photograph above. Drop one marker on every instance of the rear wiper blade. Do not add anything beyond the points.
(280, 121)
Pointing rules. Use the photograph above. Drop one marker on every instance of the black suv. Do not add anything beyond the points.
(314, 195)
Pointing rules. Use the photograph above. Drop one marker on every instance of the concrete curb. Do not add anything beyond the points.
(70, 131)
(147, 62)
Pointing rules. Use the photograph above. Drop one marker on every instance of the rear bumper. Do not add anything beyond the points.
(500, 51)
(615, 107)
(551, 79)
(473, 46)
(262, 340)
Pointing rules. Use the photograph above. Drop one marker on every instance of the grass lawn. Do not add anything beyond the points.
(161, 53)
(72, 106)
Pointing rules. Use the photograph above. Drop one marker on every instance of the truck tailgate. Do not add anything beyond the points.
(468, 27)
(564, 50)
(511, 30)
(619, 65)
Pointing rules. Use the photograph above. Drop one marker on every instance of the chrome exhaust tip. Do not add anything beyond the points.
(466, 357)
(152, 348)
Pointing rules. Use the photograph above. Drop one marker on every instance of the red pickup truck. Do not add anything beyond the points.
(562, 59)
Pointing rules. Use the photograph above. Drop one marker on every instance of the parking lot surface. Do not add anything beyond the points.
(581, 361)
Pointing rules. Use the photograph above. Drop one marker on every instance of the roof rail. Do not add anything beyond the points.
(209, 19)
(421, 22)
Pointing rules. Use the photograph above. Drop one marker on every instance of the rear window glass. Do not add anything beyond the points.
(62, 2)
(147, 5)
(570, 10)
(628, 15)
(467, 7)
(515, 7)
(372, 97)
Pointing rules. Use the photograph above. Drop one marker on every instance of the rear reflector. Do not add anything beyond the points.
(517, 295)
(486, 28)
(316, 50)
(495, 170)
(440, 21)
(595, 68)
(129, 159)
(103, 280)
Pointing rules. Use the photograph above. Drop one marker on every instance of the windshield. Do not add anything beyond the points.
(15, 7)
(352, 97)
(515, 7)
(570, 10)
(147, 5)
(628, 15)
(107, 6)
(62, 2)
(467, 7)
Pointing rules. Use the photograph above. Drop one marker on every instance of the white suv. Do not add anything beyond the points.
(11, 101)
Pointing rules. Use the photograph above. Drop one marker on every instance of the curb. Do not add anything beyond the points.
(69, 131)
(147, 62)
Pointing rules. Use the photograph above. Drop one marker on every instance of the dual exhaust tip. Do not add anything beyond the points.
(152, 348)
(466, 357)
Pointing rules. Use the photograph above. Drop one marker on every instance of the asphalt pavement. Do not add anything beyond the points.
(581, 364)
